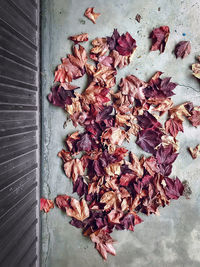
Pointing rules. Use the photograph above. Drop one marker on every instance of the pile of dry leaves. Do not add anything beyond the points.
(113, 184)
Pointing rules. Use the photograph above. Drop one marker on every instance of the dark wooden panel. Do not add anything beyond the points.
(12, 16)
(17, 46)
(19, 133)
(16, 71)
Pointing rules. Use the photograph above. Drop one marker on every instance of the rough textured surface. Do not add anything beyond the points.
(173, 238)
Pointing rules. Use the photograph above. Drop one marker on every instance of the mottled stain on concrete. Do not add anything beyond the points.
(173, 238)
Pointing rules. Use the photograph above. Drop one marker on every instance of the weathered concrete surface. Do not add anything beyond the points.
(173, 238)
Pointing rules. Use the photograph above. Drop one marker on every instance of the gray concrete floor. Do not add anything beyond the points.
(173, 238)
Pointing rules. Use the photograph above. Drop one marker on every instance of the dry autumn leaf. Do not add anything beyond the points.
(79, 38)
(90, 14)
(195, 152)
(196, 70)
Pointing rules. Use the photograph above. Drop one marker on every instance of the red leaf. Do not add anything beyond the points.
(46, 204)
(174, 188)
(159, 38)
(182, 49)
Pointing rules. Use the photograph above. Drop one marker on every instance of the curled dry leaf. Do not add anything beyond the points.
(195, 152)
(170, 140)
(79, 38)
(135, 165)
(100, 48)
(179, 112)
(113, 136)
(138, 18)
(110, 199)
(46, 204)
(159, 38)
(182, 49)
(91, 15)
(173, 126)
(151, 165)
(195, 116)
(196, 70)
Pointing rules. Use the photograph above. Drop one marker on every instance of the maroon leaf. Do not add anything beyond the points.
(80, 187)
(112, 41)
(147, 120)
(159, 88)
(60, 96)
(129, 221)
(159, 38)
(85, 143)
(126, 44)
(165, 157)
(174, 188)
(148, 139)
(182, 49)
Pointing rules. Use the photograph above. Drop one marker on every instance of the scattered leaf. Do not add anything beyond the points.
(182, 49)
(159, 38)
(46, 205)
(91, 15)
(195, 152)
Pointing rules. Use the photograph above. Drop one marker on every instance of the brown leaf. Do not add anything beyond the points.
(46, 204)
(72, 67)
(173, 126)
(73, 168)
(161, 105)
(135, 165)
(113, 136)
(111, 200)
(91, 15)
(179, 111)
(105, 76)
(103, 242)
(100, 48)
(195, 152)
(119, 60)
(79, 38)
(182, 49)
(138, 18)
(132, 87)
(151, 165)
(114, 216)
(77, 209)
(170, 140)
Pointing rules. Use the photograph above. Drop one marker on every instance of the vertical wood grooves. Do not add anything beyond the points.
(19, 133)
